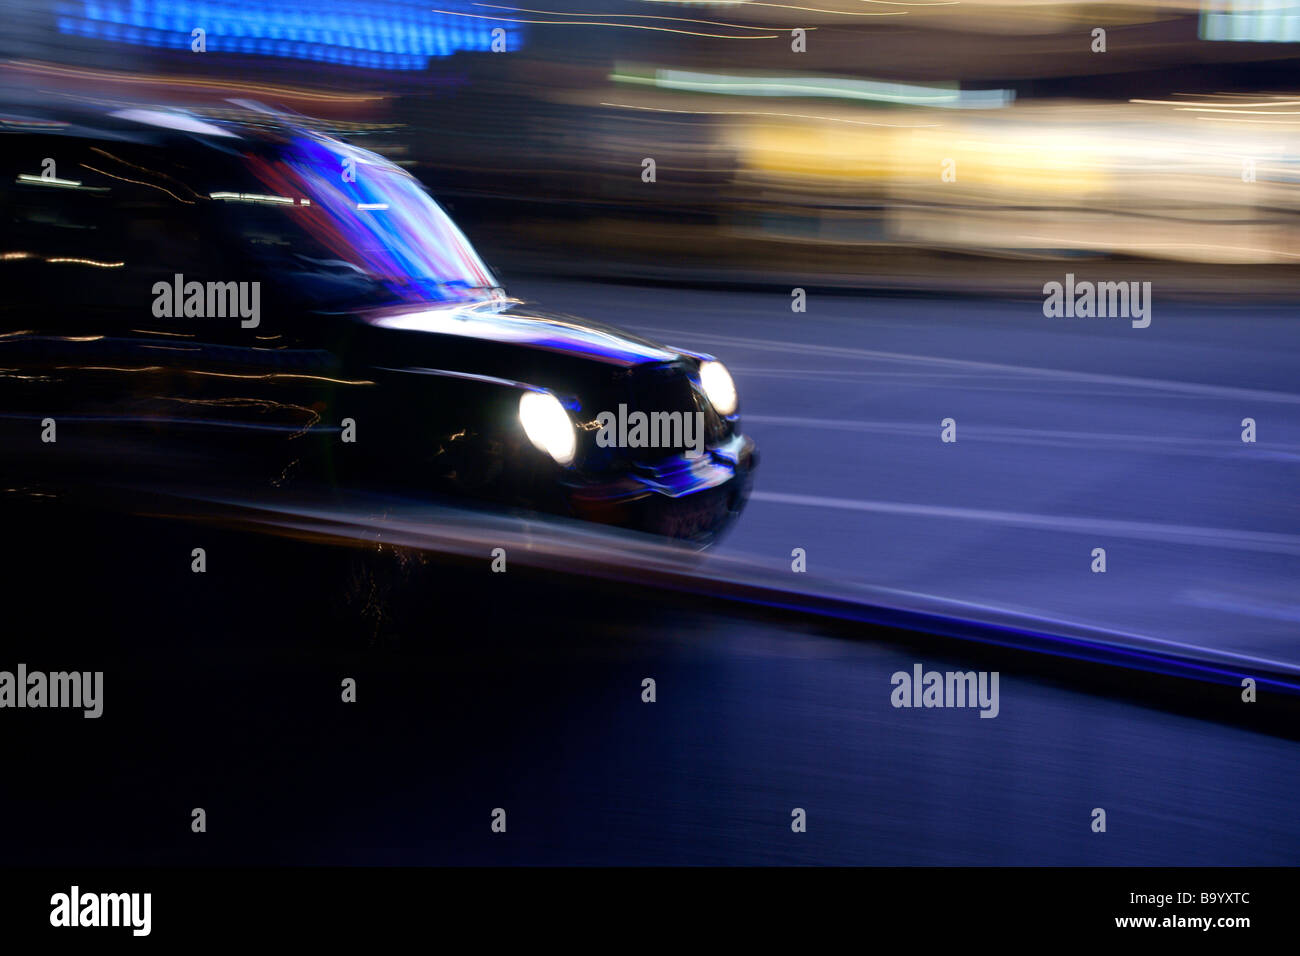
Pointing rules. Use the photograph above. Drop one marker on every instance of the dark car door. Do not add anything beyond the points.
(125, 327)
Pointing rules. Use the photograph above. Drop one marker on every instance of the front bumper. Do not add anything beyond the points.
(680, 497)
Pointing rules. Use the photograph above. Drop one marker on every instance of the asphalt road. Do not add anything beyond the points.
(1072, 434)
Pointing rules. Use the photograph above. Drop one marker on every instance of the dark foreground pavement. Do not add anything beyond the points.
(523, 691)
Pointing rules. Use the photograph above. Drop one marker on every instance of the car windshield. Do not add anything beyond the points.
(339, 225)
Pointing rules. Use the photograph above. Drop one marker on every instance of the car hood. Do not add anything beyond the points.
(514, 322)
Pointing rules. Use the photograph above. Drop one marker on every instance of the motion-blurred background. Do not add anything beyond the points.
(965, 149)
(911, 144)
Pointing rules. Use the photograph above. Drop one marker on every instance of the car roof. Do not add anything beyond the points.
(215, 139)
(153, 124)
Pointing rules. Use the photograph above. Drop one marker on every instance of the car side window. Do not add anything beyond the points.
(63, 243)
(92, 241)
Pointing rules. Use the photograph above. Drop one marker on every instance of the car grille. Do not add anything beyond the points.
(668, 388)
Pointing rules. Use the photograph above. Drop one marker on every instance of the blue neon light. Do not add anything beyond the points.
(377, 34)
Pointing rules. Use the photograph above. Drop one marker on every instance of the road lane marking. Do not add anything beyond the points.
(1204, 447)
(802, 348)
(1265, 541)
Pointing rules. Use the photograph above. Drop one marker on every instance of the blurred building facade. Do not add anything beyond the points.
(909, 144)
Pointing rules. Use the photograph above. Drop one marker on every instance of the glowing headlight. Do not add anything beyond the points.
(718, 387)
(547, 425)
